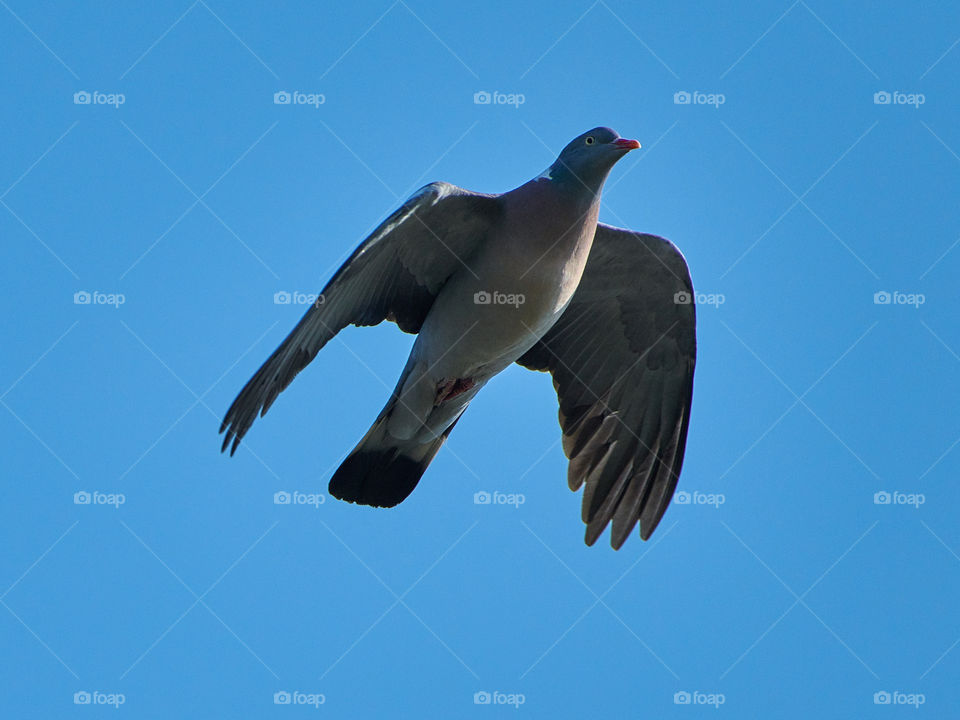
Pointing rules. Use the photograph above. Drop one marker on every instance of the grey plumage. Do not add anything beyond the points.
(606, 311)
(622, 358)
(413, 254)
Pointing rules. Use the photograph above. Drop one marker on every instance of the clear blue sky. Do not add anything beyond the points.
(795, 196)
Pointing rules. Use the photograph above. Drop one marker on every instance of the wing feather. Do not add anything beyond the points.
(622, 357)
(395, 274)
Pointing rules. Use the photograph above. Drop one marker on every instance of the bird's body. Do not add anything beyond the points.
(486, 281)
(489, 314)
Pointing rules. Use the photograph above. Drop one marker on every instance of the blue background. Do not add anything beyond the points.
(796, 199)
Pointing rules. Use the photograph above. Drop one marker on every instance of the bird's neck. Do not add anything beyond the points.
(564, 212)
(585, 183)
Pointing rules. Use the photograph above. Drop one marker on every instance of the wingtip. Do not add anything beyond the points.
(230, 437)
(646, 530)
(617, 539)
(621, 533)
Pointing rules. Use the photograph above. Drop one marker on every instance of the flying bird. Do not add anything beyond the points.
(530, 277)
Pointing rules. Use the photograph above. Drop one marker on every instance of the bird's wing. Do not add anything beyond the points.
(622, 357)
(395, 274)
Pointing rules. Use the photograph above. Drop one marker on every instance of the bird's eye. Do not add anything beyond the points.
(589, 141)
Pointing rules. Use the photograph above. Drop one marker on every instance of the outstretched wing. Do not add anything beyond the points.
(622, 358)
(395, 274)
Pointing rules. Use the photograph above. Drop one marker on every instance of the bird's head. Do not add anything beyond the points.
(587, 159)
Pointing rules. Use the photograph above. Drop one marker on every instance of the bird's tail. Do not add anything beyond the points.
(383, 470)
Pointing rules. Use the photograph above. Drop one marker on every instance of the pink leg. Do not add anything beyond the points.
(448, 389)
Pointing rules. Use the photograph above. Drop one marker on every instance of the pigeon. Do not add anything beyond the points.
(530, 277)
